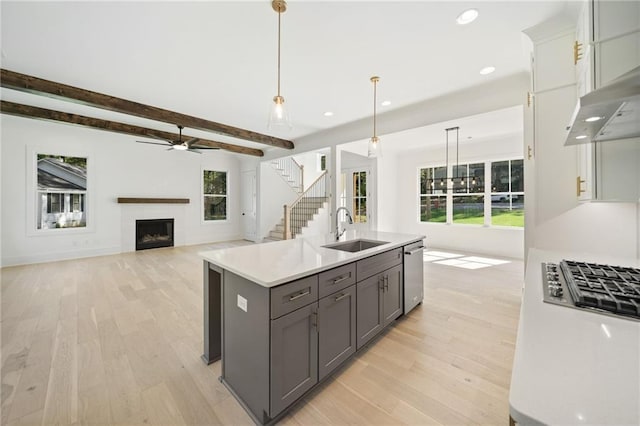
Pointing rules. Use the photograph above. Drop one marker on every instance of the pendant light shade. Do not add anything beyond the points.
(279, 115)
(374, 149)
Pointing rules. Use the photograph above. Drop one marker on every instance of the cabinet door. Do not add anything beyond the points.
(294, 356)
(392, 299)
(369, 312)
(336, 329)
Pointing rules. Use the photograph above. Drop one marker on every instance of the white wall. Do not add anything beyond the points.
(118, 167)
(400, 208)
(311, 167)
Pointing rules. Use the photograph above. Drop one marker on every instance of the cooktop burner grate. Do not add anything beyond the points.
(612, 289)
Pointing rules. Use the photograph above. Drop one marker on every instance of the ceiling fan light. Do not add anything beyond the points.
(180, 147)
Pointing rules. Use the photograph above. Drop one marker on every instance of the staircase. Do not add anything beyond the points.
(291, 172)
(302, 211)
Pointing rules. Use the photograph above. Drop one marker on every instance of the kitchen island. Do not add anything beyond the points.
(573, 366)
(283, 316)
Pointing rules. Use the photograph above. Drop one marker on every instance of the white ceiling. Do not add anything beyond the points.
(217, 60)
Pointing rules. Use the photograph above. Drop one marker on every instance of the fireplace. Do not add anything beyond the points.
(154, 233)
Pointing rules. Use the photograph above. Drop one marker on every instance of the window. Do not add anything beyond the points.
(359, 197)
(61, 191)
(507, 193)
(461, 194)
(433, 189)
(468, 198)
(323, 162)
(214, 191)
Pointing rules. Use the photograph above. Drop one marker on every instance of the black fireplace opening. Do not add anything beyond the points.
(154, 233)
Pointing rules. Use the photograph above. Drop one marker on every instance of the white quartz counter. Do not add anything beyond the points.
(278, 262)
(573, 367)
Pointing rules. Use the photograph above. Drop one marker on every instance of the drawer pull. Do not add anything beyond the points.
(415, 250)
(299, 295)
(386, 283)
(342, 296)
(342, 278)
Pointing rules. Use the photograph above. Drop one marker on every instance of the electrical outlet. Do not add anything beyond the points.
(242, 303)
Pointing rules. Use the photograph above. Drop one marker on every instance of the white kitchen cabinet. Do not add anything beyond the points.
(616, 27)
(607, 45)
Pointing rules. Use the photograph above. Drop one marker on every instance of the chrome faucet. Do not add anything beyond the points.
(338, 233)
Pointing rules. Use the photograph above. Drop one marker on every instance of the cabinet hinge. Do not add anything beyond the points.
(529, 98)
(577, 52)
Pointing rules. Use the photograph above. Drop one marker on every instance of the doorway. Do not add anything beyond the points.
(356, 195)
(248, 205)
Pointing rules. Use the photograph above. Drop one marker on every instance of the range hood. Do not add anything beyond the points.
(608, 113)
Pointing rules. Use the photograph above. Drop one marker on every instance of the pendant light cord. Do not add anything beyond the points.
(279, 24)
(457, 150)
(375, 85)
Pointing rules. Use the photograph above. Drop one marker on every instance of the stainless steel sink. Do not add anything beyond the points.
(354, 246)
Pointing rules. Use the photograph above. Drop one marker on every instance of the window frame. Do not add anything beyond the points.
(31, 184)
(203, 195)
(508, 194)
(450, 192)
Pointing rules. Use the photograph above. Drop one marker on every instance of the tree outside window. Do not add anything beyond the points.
(214, 195)
(507, 193)
(433, 199)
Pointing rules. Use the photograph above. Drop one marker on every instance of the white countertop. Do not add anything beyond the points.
(278, 262)
(573, 367)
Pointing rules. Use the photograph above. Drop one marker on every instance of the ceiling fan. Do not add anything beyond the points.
(180, 145)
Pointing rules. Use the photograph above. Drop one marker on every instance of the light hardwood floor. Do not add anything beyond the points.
(117, 340)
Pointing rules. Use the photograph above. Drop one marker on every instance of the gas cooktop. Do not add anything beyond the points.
(610, 290)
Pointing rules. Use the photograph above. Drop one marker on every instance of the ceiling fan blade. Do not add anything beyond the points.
(195, 151)
(191, 141)
(153, 143)
(202, 147)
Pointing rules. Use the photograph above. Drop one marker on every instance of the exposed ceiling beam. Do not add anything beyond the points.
(28, 111)
(26, 83)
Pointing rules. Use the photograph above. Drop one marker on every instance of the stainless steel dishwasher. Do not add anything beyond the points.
(413, 275)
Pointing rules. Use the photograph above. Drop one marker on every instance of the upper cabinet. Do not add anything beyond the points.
(616, 38)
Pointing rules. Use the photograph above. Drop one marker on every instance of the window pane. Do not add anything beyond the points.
(61, 184)
(215, 183)
(362, 188)
(460, 182)
(517, 175)
(423, 181)
(433, 209)
(440, 183)
(360, 210)
(215, 208)
(476, 177)
(468, 209)
(507, 210)
(500, 176)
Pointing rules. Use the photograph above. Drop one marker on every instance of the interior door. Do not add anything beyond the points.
(249, 205)
(357, 196)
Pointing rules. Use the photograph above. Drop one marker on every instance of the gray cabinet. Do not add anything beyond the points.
(369, 313)
(294, 356)
(336, 329)
(379, 302)
(392, 295)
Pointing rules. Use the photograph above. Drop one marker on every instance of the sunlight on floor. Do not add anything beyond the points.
(460, 260)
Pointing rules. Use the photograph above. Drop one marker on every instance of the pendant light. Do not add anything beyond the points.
(279, 115)
(374, 142)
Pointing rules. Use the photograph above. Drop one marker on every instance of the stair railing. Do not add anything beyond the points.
(296, 214)
(291, 172)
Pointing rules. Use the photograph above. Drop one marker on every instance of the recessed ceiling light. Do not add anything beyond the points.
(385, 103)
(595, 118)
(467, 17)
(487, 70)
(581, 137)
(328, 114)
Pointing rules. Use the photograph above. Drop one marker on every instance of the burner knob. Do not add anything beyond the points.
(555, 290)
